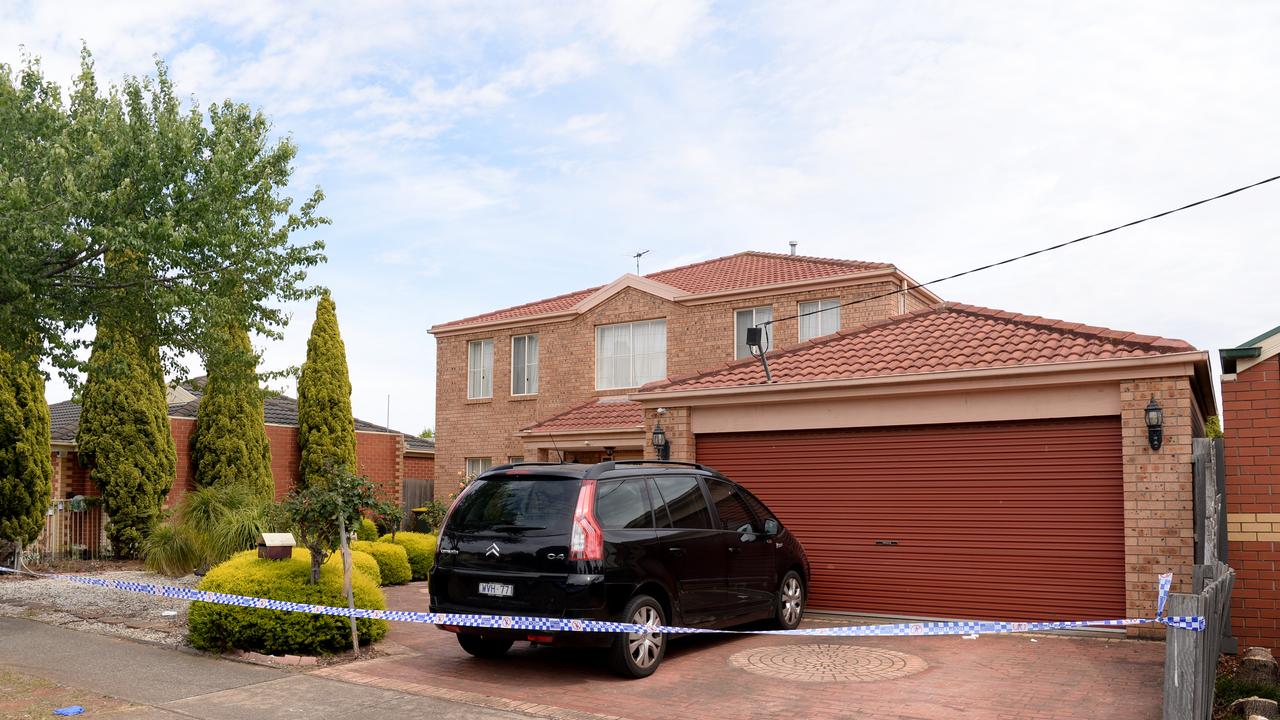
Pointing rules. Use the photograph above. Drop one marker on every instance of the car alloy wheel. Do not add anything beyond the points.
(637, 654)
(790, 601)
(645, 648)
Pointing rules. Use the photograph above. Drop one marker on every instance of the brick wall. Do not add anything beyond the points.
(283, 440)
(1159, 525)
(419, 467)
(1251, 426)
(698, 337)
(184, 479)
(675, 425)
(379, 458)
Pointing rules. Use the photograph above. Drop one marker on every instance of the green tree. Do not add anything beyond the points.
(25, 467)
(124, 437)
(198, 198)
(428, 433)
(326, 428)
(319, 509)
(229, 447)
(1213, 427)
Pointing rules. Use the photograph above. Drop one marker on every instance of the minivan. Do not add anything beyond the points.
(645, 542)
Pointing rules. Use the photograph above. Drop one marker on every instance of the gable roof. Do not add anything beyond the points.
(744, 270)
(947, 337)
(604, 413)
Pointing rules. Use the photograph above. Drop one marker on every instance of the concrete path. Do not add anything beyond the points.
(172, 684)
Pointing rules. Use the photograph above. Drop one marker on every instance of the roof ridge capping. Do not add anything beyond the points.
(1096, 331)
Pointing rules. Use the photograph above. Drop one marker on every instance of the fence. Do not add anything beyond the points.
(416, 493)
(1191, 657)
(74, 529)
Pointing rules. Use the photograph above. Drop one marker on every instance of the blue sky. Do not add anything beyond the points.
(478, 155)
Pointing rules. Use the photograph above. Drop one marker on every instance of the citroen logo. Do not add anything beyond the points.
(492, 551)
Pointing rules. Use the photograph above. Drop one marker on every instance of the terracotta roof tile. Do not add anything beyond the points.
(606, 413)
(945, 338)
(744, 270)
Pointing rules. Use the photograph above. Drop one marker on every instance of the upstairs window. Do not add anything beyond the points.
(524, 365)
(630, 354)
(824, 320)
(746, 318)
(479, 369)
(477, 465)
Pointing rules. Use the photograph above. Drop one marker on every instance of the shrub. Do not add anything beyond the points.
(421, 549)
(367, 531)
(219, 627)
(25, 467)
(393, 561)
(362, 562)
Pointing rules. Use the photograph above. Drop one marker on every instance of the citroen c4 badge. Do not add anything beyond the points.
(492, 551)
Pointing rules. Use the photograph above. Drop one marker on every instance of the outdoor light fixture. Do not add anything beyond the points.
(1155, 425)
(660, 444)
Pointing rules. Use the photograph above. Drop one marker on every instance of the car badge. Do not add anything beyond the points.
(493, 550)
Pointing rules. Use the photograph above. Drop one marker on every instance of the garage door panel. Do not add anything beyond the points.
(1014, 521)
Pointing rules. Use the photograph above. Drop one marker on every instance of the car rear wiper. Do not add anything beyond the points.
(516, 527)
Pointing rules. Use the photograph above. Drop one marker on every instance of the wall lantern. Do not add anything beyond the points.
(660, 444)
(1155, 425)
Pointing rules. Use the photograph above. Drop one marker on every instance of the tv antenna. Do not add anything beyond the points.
(637, 256)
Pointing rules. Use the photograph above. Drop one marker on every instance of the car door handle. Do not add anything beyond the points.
(677, 551)
(733, 549)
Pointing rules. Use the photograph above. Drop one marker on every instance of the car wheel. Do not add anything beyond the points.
(636, 655)
(483, 647)
(790, 601)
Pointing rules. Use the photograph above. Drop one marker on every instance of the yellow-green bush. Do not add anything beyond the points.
(393, 561)
(421, 549)
(366, 530)
(220, 627)
(362, 561)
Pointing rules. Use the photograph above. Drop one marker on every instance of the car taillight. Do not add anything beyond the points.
(587, 540)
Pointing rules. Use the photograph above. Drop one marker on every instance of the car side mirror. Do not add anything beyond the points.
(771, 527)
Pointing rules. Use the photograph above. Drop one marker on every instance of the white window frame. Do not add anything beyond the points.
(479, 377)
(632, 379)
(477, 465)
(824, 322)
(763, 313)
(528, 371)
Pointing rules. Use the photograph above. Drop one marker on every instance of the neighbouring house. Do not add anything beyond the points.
(937, 460)
(386, 456)
(1251, 433)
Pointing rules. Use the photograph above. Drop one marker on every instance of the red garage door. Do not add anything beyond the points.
(1016, 521)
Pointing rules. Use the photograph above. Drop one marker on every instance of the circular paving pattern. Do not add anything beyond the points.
(828, 663)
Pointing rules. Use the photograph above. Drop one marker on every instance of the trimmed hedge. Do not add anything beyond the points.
(393, 561)
(362, 561)
(366, 530)
(221, 627)
(421, 549)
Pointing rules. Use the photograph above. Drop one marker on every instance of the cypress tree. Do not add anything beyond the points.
(326, 428)
(25, 466)
(230, 445)
(124, 437)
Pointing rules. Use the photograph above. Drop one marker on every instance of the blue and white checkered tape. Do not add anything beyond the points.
(549, 624)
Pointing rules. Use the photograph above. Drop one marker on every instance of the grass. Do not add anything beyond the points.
(1229, 689)
(23, 697)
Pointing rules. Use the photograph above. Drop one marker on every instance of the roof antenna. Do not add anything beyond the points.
(637, 256)
(758, 344)
(557, 447)
(793, 245)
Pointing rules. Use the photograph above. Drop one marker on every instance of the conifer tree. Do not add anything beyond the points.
(25, 467)
(326, 428)
(229, 447)
(124, 437)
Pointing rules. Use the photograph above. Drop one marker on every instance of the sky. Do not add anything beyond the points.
(477, 155)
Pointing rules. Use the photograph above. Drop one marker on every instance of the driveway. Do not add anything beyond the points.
(993, 677)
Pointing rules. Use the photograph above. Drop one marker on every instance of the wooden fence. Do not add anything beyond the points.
(415, 493)
(1191, 657)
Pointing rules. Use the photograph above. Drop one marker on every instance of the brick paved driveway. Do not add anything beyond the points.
(992, 677)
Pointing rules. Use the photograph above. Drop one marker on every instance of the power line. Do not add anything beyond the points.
(1032, 253)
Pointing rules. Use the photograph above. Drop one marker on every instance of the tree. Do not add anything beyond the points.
(428, 433)
(25, 467)
(326, 427)
(196, 198)
(319, 509)
(229, 447)
(124, 437)
(1213, 427)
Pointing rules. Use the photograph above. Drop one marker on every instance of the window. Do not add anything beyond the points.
(630, 354)
(762, 513)
(516, 505)
(479, 369)
(623, 504)
(824, 321)
(744, 319)
(733, 511)
(515, 459)
(684, 502)
(477, 465)
(524, 365)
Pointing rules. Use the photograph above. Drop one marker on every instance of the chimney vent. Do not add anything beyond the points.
(793, 245)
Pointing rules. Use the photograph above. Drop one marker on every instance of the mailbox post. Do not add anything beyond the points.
(275, 546)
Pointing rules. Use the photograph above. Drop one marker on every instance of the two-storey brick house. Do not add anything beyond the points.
(553, 375)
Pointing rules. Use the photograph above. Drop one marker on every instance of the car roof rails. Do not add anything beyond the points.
(508, 466)
(699, 466)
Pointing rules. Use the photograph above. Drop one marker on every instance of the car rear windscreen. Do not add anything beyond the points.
(506, 505)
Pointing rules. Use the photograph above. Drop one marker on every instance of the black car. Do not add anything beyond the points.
(646, 542)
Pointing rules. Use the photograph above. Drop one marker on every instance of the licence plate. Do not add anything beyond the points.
(497, 589)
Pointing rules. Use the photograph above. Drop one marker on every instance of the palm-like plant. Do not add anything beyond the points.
(209, 525)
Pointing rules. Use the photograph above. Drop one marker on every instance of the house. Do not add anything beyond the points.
(550, 378)
(386, 456)
(1251, 434)
(937, 459)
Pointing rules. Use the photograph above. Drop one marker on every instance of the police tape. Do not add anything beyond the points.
(549, 624)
